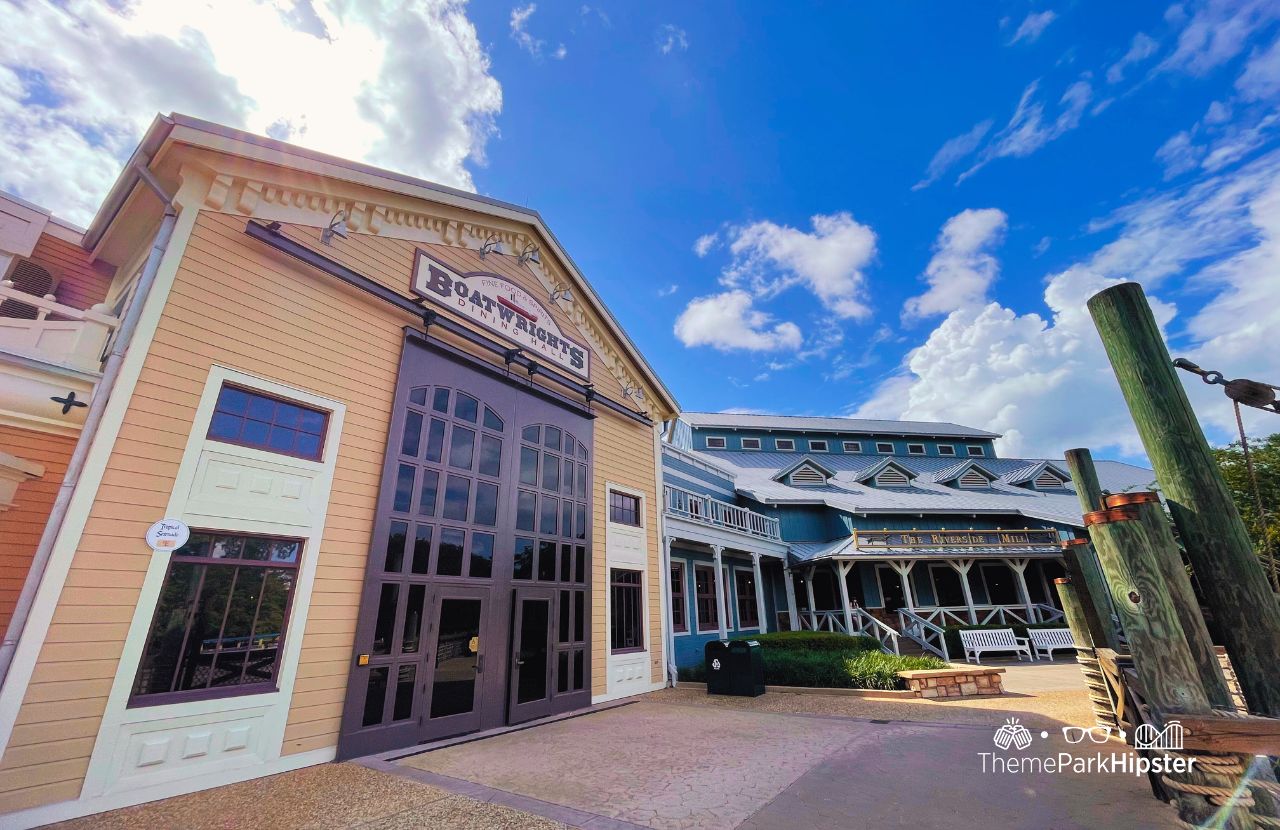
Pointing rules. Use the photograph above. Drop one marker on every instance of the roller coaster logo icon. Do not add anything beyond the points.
(1147, 736)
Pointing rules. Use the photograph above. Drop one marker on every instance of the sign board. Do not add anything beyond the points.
(499, 305)
(168, 534)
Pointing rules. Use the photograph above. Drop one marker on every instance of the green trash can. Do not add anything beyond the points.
(734, 667)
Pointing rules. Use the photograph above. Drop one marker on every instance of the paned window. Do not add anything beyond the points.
(253, 419)
(626, 610)
(624, 508)
(704, 583)
(679, 621)
(748, 609)
(976, 451)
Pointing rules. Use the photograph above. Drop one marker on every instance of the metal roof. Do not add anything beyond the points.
(804, 423)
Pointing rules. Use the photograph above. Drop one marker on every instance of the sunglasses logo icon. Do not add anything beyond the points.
(1076, 734)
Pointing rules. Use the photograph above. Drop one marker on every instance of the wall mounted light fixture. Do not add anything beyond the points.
(337, 227)
(529, 254)
(491, 246)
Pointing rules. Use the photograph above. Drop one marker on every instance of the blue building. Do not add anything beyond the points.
(893, 529)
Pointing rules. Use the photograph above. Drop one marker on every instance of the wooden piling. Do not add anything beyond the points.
(1091, 585)
(1073, 609)
(1169, 560)
(1095, 607)
(1216, 540)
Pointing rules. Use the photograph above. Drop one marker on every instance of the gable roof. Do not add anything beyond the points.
(865, 426)
(803, 461)
(955, 471)
(1031, 472)
(176, 128)
(880, 466)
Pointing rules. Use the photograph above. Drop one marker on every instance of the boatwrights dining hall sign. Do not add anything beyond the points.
(501, 306)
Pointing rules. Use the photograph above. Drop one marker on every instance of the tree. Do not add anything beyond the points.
(1265, 454)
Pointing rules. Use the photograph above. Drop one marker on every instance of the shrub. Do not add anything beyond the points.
(811, 641)
(878, 670)
(952, 634)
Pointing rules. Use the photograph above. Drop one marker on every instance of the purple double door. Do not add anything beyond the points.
(476, 605)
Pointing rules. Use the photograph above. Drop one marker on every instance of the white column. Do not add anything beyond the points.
(722, 612)
(1019, 567)
(808, 588)
(668, 630)
(842, 568)
(962, 567)
(760, 613)
(792, 616)
(903, 567)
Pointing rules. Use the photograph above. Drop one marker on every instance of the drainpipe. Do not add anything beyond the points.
(664, 577)
(93, 418)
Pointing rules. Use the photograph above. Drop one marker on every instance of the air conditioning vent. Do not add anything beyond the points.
(892, 477)
(973, 478)
(28, 278)
(807, 477)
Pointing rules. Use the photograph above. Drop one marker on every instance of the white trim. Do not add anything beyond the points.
(63, 810)
(942, 447)
(697, 619)
(826, 446)
(119, 721)
(857, 445)
(880, 444)
(684, 584)
(724, 442)
(981, 451)
(55, 576)
(923, 449)
(790, 442)
(626, 547)
(744, 444)
(737, 605)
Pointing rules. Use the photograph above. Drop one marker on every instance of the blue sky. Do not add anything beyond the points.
(902, 207)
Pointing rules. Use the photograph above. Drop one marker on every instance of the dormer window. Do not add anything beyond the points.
(915, 449)
(976, 451)
(715, 443)
(972, 479)
(884, 448)
(1048, 480)
(806, 476)
(892, 477)
(946, 449)
(817, 446)
(784, 444)
(751, 443)
(853, 446)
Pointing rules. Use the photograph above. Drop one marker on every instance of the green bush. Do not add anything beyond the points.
(956, 650)
(811, 641)
(878, 670)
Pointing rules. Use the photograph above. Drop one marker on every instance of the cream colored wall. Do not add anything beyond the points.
(240, 305)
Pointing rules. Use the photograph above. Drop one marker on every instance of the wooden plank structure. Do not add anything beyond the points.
(1086, 652)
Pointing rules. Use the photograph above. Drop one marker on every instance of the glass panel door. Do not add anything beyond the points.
(531, 653)
(457, 661)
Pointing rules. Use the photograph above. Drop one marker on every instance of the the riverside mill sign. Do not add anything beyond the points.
(498, 304)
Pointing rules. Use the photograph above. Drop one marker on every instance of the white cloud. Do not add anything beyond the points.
(1179, 154)
(671, 38)
(1028, 131)
(1032, 26)
(703, 244)
(952, 151)
(519, 19)
(669, 290)
(1261, 77)
(1045, 382)
(1217, 32)
(727, 321)
(829, 261)
(561, 52)
(962, 267)
(1142, 47)
(403, 86)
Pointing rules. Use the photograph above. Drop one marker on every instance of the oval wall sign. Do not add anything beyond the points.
(168, 534)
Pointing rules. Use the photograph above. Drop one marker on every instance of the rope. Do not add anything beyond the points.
(1257, 495)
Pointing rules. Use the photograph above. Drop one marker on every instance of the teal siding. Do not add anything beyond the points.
(835, 442)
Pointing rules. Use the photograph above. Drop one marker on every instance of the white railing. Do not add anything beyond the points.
(868, 626)
(822, 621)
(929, 635)
(706, 510)
(59, 333)
(944, 615)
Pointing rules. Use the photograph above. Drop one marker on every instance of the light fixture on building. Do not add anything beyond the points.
(337, 227)
(491, 246)
(634, 392)
(529, 254)
(561, 293)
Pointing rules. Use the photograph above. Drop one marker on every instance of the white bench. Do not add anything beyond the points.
(978, 640)
(1046, 640)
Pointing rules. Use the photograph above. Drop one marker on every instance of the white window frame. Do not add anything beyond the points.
(813, 446)
(947, 450)
(922, 451)
(755, 440)
(733, 586)
(881, 444)
(981, 451)
(720, 446)
(790, 442)
(856, 445)
(690, 624)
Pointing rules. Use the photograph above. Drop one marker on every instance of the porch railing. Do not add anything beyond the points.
(864, 625)
(58, 333)
(929, 635)
(822, 621)
(695, 507)
(944, 615)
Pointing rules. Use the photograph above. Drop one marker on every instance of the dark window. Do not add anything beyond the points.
(220, 620)
(678, 619)
(976, 452)
(946, 449)
(748, 609)
(751, 443)
(884, 447)
(915, 449)
(853, 446)
(784, 444)
(818, 446)
(705, 593)
(252, 419)
(715, 443)
(624, 509)
(626, 612)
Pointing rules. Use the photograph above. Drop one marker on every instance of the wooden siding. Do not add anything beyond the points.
(81, 284)
(22, 524)
(238, 304)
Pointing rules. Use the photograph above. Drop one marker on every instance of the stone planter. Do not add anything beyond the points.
(957, 680)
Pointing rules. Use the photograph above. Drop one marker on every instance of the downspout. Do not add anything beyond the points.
(93, 417)
(664, 578)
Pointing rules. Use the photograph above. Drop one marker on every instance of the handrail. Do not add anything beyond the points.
(930, 637)
(822, 621)
(884, 634)
(49, 305)
(696, 507)
(1047, 613)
